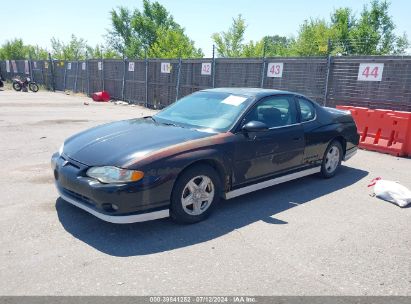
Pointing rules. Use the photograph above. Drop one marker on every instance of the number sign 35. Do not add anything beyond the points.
(370, 71)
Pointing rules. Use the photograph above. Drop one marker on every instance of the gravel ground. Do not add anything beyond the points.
(307, 237)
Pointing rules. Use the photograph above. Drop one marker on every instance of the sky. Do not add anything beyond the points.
(90, 19)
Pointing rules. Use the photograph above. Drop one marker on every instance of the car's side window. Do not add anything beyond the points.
(274, 111)
(306, 109)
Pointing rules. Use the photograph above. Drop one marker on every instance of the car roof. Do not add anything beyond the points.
(250, 92)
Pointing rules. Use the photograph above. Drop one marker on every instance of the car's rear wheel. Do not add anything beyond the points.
(332, 159)
(195, 194)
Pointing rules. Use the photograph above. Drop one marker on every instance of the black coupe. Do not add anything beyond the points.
(216, 143)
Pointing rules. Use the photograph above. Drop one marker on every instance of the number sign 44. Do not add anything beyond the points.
(370, 71)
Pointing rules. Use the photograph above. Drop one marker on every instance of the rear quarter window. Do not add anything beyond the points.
(307, 109)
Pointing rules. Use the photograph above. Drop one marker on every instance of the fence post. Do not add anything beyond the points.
(263, 72)
(213, 67)
(52, 72)
(31, 69)
(102, 73)
(146, 97)
(75, 78)
(65, 76)
(178, 78)
(124, 79)
(327, 79)
(88, 74)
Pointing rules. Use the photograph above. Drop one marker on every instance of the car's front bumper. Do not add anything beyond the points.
(116, 219)
(133, 202)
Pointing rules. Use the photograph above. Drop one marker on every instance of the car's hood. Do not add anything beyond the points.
(118, 143)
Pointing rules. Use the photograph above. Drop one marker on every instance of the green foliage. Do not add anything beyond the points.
(183, 46)
(373, 34)
(230, 43)
(253, 49)
(278, 46)
(13, 49)
(75, 49)
(16, 49)
(151, 31)
(36, 53)
(313, 38)
(78, 49)
(370, 34)
(101, 51)
(121, 35)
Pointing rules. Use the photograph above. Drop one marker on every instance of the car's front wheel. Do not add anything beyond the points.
(332, 159)
(195, 194)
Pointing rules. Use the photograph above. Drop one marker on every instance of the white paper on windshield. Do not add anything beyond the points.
(234, 100)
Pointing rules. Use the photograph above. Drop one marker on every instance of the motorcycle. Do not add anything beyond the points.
(23, 84)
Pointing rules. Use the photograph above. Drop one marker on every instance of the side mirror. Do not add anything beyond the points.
(255, 126)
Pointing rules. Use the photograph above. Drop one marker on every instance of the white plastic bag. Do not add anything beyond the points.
(391, 191)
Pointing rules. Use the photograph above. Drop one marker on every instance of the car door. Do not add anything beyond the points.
(314, 136)
(259, 155)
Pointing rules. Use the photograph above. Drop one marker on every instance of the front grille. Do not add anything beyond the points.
(80, 197)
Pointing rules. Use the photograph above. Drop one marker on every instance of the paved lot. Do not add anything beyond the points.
(307, 237)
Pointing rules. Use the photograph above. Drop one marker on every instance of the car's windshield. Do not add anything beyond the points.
(203, 110)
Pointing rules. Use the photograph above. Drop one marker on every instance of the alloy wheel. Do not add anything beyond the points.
(197, 195)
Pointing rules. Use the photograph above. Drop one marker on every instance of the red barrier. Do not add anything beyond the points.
(101, 96)
(383, 130)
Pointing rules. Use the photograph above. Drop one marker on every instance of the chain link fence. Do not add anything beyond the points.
(369, 81)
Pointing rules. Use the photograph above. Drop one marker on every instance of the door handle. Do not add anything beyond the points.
(296, 138)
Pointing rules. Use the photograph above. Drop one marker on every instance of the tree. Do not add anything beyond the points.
(278, 46)
(313, 38)
(374, 32)
(36, 52)
(16, 49)
(75, 49)
(13, 49)
(253, 50)
(230, 43)
(121, 36)
(151, 31)
(342, 23)
(183, 46)
(101, 51)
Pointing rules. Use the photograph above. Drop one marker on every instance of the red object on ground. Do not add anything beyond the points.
(384, 131)
(101, 96)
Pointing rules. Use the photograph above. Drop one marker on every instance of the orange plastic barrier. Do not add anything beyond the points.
(383, 130)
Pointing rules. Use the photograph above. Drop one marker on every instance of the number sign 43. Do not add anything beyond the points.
(275, 69)
(370, 71)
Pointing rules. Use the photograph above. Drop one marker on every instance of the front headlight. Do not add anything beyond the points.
(61, 149)
(109, 174)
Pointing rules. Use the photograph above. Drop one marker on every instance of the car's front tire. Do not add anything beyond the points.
(332, 159)
(195, 194)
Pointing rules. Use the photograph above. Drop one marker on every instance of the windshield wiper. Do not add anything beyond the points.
(151, 117)
(163, 123)
(170, 124)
